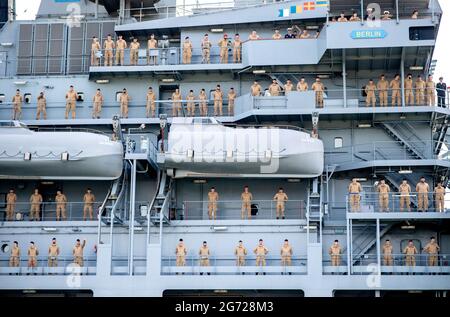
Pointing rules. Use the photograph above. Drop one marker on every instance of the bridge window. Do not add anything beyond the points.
(420, 33)
(80, 97)
(338, 142)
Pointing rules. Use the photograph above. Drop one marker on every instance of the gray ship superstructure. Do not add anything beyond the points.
(151, 175)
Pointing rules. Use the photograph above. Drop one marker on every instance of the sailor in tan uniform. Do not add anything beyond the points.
(237, 44)
(134, 52)
(35, 205)
(439, 195)
(187, 50)
(204, 254)
(190, 103)
(335, 253)
(383, 190)
(88, 200)
(430, 91)
(124, 100)
(180, 253)
(150, 103)
(382, 87)
(11, 200)
(71, 100)
(432, 248)
(280, 198)
(121, 45)
(77, 253)
(396, 95)
(422, 189)
(231, 98)
(14, 258)
(302, 85)
(261, 252)
(409, 95)
(354, 190)
(152, 52)
(109, 46)
(387, 253)
(286, 254)
(240, 252)
(274, 88)
(318, 87)
(255, 89)
(53, 253)
(420, 91)
(410, 251)
(95, 49)
(246, 198)
(33, 253)
(176, 103)
(405, 192)
(218, 101)
(213, 198)
(61, 203)
(223, 49)
(203, 102)
(98, 103)
(17, 101)
(41, 106)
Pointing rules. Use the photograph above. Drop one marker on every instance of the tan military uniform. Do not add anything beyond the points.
(409, 95)
(71, 99)
(35, 201)
(430, 91)
(95, 47)
(134, 53)
(32, 256)
(255, 90)
(354, 19)
(342, 19)
(276, 36)
(97, 107)
(213, 197)
(206, 51)
(432, 249)
(151, 105)
(190, 104)
(88, 200)
(218, 102)
(354, 190)
(383, 196)
(237, 51)
(124, 100)
(121, 45)
(387, 254)
(181, 253)
(305, 36)
(383, 86)
(78, 254)
(53, 252)
(405, 191)
(223, 50)
(410, 258)
(335, 253)
(176, 104)
(61, 202)
(281, 199)
(203, 103)
(439, 194)
(370, 95)
(41, 108)
(422, 190)
(231, 97)
(396, 96)
(11, 200)
(240, 253)
(109, 46)
(318, 88)
(152, 45)
(187, 52)
(302, 86)
(246, 204)
(204, 256)
(288, 88)
(14, 259)
(286, 255)
(274, 89)
(261, 252)
(420, 92)
(17, 101)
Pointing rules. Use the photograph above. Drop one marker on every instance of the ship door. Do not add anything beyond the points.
(165, 93)
(48, 192)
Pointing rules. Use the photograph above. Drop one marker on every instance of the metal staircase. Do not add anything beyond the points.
(159, 207)
(314, 211)
(404, 133)
(365, 240)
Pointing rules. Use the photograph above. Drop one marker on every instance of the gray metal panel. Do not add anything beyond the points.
(76, 48)
(108, 28)
(25, 49)
(56, 48)
(40, 48)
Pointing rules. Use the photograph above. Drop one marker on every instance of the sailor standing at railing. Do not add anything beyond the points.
(288, 87)
(180, 253)
(41, 106)
(302, 85)
(218, 101)
(150, 102)
(35, 208)
(439, 195)
(409, 95)
(98, 103)
(240, 251)
(176, 103)
(410, 251)
(394, 85)
(121, 45)
(274, 88)
(204, 255)
(255, 89)
(231, 98)
(382, 87)
(124, 100)
(286, 253)
(14, 259)
(420, 91)
(441, 89)
(383, 195)
(432, 248)
(33, 252)
(203, 102)
(206, 49)
(318, 88)
(77, 252)
(152, 45)
(246, 198)
(261, 252)
(134, 52)
(387, 253)
(71, 99)
(190, 105)
(61, 202)
(223, 49)
(335, 253)
(281, 198)
(405, 193)
(109, 46)
(17, 105)
(187, 50)
(370, 91)
(213, 198)
(88, 200)
(53, 253)
(430, 91)
(11, 200)
(354, 190)
(422, 189)
(237, 44)
(95, 51)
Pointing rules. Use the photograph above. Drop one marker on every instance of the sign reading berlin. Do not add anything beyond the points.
(368, 34)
